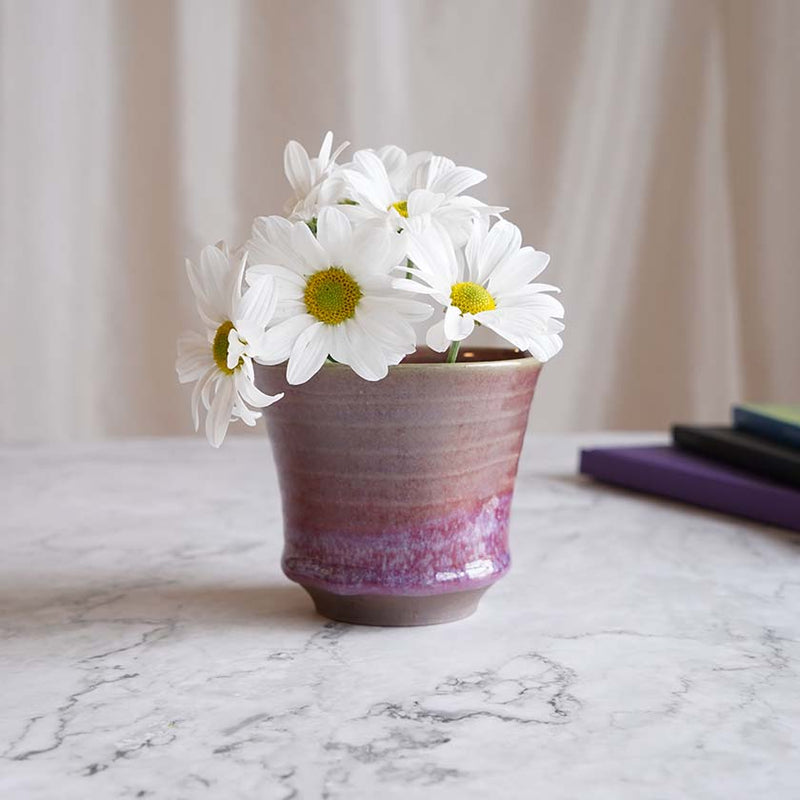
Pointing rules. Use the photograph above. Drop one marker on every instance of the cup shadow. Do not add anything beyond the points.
(248, 603)
(273, 604)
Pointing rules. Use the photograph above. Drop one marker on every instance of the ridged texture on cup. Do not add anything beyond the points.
(402, 486)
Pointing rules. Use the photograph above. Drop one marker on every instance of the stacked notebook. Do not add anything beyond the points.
(750, 469)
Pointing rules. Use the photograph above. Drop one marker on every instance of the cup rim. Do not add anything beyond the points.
(517, 357)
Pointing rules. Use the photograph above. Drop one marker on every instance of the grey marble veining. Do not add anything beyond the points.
(150, 647)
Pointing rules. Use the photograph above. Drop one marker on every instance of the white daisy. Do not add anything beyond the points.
(335, 295)
(222, 361)
(489, 281)
(393, 187)
(313, 180)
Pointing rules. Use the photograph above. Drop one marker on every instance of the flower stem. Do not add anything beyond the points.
(452, 353)
(409, 265)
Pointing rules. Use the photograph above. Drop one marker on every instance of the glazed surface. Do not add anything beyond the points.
(403, 486)
(151, 648)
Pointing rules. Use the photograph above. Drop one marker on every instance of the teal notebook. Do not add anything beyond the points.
(780, 423)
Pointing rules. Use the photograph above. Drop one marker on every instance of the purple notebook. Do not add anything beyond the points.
(668, 472)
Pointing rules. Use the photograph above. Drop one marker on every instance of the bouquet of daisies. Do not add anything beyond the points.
(367, 249)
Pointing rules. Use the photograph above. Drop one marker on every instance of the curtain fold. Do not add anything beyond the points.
(651, 148)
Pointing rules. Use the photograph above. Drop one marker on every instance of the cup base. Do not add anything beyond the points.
(396, 610)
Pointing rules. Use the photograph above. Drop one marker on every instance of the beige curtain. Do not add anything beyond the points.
(650, 146)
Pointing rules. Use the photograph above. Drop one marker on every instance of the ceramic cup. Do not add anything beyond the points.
(396, 494)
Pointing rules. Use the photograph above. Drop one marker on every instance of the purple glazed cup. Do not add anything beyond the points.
(396, 494)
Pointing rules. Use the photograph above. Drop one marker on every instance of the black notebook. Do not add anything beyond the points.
(743, 450)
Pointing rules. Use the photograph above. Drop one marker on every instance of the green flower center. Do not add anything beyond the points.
(219, 348)
(401, 207)
(470, 298)
(331, 295)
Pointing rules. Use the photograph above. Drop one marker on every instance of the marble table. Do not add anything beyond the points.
(150, 647)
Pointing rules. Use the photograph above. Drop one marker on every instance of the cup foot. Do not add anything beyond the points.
(395, 610)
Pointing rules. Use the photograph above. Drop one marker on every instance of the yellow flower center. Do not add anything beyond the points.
(470, 298)
(220, 348)
(401, 207)
(331, 295)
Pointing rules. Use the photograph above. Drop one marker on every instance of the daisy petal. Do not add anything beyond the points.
(236, 348)
(199, 387)
(308, 248)
(544, 348)
(235, 284)
(495, 321)
(432, 250)
(412, 310)
(500, 244)
(256, 273)
(325, 149)
(414, 173)
(423, 201)
(297, 166)
(477, 235)
(456, 180)
(364, 355)
(406, 285)
(251, 335)
(308, 354)
(435, 337)
(334, 233)
(432, 169)
(393, 157)
(360, 213)
(216, 273)
(523, 267)
(340, 343)
(219, 415)
(337, 152)
(456, 221)
(208, 314)
(211, 282)
(270, 242)
(258, 302)
(457, 326)
(368, 193)
(542, 287)
(245, 414)
(374, 250)
(253, 396)
(372, 167)
(194, 357)
(209, 387)
(277, 342)
(390, 329)
(544, 304)
(344, 351)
